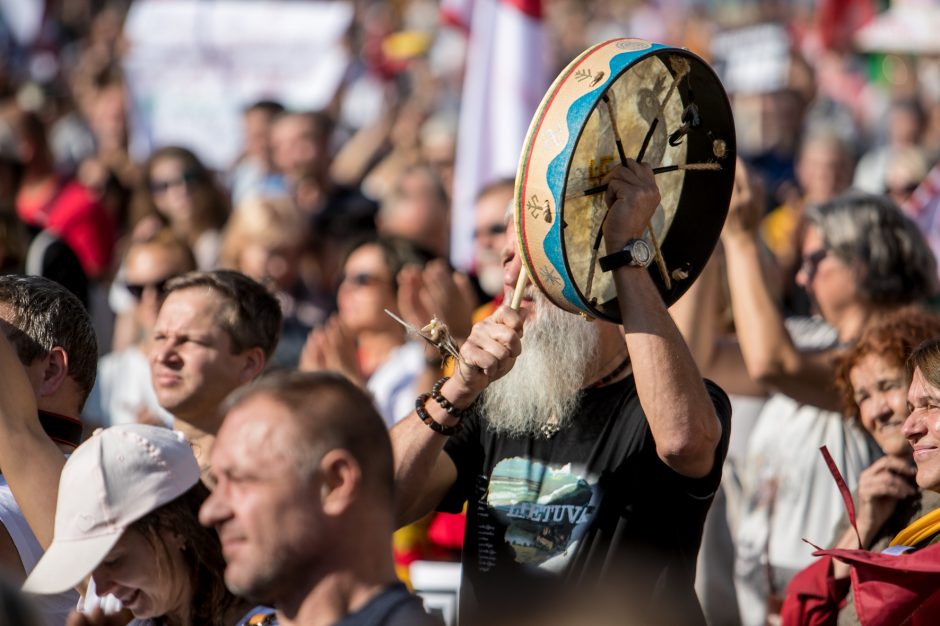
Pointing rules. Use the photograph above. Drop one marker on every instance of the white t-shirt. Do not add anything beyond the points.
(392, 385)
(788, 492)
(53, 608)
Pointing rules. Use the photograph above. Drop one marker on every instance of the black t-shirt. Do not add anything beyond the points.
(394, 606)
(593, 504)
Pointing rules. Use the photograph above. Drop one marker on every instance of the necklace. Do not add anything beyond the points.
(550, 428)
(616, 372)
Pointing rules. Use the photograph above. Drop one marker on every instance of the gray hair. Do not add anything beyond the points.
(871, 232)
(44, 314)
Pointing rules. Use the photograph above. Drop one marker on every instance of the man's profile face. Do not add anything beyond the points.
(922, 429)
(191, 361)
(266, 512)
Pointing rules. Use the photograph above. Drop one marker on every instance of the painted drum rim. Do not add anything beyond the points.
(569, 296)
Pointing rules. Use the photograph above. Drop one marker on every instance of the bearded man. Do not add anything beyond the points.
(591, 462)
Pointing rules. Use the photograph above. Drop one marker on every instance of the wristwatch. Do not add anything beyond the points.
(637, 253)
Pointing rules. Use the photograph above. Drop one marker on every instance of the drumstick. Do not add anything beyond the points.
(613, 126)
(646, 140)
(520, 289)
(660, 261)
(590, 191)
(594, 250)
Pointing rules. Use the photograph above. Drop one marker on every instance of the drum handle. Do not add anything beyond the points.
(520, 289)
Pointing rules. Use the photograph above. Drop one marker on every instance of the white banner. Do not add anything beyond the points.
(194, 66)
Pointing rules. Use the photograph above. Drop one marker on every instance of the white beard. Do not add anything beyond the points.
(547, 377)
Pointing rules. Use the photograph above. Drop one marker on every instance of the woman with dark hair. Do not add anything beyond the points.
(362, 340)
(873, 380)
(869, 235)
(127, 514)
(178, 191)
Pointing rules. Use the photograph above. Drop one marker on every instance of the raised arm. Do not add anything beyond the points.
(769, 352)
(698, 316)
(678, 408)
(29, 460)
(423, 473)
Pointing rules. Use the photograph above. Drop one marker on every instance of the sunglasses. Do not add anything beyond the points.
(360, 279)
(137, 289)
(810, 263)
(491, 231)
(187, 179)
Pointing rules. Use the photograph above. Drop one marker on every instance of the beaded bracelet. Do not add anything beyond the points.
(425, 417)
(446, 404)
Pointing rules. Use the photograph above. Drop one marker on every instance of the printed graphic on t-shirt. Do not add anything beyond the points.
(545, 509)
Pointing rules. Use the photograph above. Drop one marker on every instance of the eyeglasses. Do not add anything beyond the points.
(187, 178)
(137, 289)
(811, 262)
(490, 231)
(903, 190)
(360, 279)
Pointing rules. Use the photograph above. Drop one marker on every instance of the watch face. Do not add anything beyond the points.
(642, 254)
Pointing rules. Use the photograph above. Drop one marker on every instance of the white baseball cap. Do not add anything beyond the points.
(118, 476)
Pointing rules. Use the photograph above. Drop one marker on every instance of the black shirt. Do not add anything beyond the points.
(394, 606)
(593, 504)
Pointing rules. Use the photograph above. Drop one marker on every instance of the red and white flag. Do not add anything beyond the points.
(506, 77)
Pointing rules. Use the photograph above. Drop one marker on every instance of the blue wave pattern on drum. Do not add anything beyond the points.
(577, 114)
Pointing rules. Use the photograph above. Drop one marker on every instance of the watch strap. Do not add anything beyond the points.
(616, 259)
(626, 257)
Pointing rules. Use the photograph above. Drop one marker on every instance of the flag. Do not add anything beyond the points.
(890, 587)
(505, 78)
(893, 589)
(838, 20)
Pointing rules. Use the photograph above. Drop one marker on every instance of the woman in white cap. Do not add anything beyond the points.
(127, 515)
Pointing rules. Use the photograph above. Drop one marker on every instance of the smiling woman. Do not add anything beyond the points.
(127, 515)
(873, 381)
(872, 378)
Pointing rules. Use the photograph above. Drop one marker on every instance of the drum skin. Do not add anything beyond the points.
(617, 88)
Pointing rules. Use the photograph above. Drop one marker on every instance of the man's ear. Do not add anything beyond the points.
(253, 366)
(341, 480)
(55, 372)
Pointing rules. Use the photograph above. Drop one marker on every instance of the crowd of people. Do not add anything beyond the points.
(212, 410)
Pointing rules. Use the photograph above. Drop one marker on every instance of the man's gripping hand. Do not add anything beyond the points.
(632, 197)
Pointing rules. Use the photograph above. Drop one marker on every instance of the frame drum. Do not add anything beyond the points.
(624, 98)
